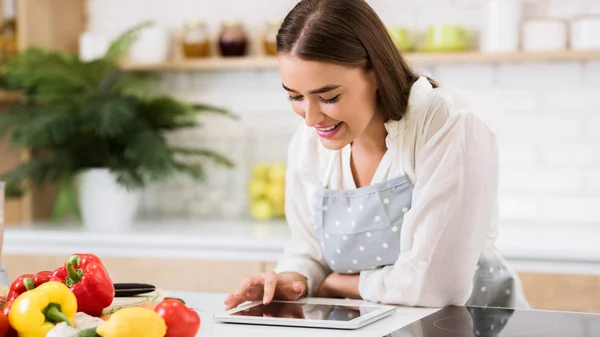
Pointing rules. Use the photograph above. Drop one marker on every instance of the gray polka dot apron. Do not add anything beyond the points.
(359, 229)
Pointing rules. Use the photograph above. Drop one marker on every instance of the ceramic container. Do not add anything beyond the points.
(541, 35)
(585, 33)
(500, 32)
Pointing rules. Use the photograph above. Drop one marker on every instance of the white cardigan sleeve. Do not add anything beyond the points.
(453, 207)
(302, 253)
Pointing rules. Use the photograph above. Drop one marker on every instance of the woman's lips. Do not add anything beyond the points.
(329, 132)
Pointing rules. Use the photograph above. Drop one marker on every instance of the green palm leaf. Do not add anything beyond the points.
(91, 114)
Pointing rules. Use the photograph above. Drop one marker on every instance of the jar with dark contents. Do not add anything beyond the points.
(195, 40)
(270, 38)
(233, 40)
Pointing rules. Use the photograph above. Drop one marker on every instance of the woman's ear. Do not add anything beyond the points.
(372, 78)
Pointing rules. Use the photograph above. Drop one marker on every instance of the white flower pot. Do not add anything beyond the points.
(104, 204)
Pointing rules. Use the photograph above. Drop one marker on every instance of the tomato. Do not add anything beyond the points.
(4, 325)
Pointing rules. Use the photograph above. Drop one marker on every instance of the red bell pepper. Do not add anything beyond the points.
(22, 284)
(27, 282)
(181, 321)
(88, 279)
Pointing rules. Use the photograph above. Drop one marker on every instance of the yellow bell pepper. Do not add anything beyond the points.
(37, 311)
(133, 322)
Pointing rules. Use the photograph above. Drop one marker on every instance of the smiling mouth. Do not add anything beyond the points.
(329, 128)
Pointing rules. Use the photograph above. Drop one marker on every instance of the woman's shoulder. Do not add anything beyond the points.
(447, 100)
(443, 106)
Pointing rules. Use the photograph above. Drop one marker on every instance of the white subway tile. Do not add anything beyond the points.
(150, 198)
(572, 155)
(535, 9)
(592, 179)
(502, 101)
(575, 209)
(227, 81)
(465, 16)
(593, 126)
(536, 129)
(592, 7)
(554, 9)
(172, 202)
(465, 76)
(518, 208)
(255, 11)
(536, 75)
(540, 180)
(199, 208)
(591, 73)
(566, 9)
(568, 100)
(518, 154)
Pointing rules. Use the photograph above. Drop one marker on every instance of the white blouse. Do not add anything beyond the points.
(451, 158)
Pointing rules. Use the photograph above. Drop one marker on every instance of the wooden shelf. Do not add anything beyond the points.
(208, 64)
(478, 57)
(262, 62)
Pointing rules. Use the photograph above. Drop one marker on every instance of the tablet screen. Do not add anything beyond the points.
(306, 311)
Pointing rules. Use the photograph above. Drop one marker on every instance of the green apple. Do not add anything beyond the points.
(276, 192)
(277, 173)
(260, 172)
(258, 188)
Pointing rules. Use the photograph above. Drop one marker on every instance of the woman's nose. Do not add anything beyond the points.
(312, 114)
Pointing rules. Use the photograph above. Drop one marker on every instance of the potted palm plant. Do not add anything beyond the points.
(99, 132)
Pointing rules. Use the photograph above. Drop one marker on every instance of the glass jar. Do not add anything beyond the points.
(233, 40)
(270, 38)
(195, 40)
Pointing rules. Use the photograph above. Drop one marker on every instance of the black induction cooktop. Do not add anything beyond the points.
(502, 322)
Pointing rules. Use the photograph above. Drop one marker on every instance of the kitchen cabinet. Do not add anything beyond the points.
(195, 275)
(564, 292)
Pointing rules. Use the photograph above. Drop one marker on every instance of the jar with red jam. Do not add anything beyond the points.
(233, 40)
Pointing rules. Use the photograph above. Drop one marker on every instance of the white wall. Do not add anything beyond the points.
(547, 114)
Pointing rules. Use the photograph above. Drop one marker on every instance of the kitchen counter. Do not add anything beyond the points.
(208, 304)
(534, 248)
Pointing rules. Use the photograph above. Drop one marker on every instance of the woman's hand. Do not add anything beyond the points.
(339, 286)
(268, 286)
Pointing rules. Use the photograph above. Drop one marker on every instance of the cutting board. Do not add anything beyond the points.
(123, 302)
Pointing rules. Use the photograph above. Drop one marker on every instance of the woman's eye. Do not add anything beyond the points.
(295, 98)
(331, 100)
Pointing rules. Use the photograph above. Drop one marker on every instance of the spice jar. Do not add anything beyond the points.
(195, 41)
(270, 38)
(233, 40)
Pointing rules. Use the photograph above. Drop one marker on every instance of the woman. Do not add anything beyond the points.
(392, 182)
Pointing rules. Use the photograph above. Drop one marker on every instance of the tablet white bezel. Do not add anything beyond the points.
(381, 311)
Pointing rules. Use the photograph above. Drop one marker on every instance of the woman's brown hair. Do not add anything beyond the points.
(349, 33)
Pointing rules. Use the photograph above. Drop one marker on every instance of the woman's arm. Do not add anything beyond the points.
(454, 205)
(340, 286)
(302, 255)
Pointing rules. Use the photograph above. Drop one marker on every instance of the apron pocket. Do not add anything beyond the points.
(351, 252)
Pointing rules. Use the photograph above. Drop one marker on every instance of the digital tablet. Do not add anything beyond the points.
(309, 313)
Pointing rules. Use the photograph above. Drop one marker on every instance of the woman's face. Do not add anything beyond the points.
(338, 102)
